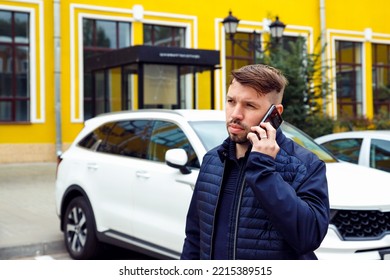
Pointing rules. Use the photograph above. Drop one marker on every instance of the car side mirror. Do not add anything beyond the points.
(177, 158)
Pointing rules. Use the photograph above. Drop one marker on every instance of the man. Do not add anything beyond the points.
(259, 195)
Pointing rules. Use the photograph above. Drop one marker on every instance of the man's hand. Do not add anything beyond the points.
(263, 139)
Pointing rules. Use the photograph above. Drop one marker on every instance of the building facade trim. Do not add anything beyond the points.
(80, 12)
(36, 57)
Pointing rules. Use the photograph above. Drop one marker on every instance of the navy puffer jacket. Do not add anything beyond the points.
(282, 211)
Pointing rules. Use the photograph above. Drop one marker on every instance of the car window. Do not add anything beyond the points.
(211, 133)
(167, 135)
(96, 137)
(380, 154)
(345, 149)
(307, 142)
(128, 138)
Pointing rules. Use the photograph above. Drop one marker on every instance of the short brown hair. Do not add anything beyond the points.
(262, 78)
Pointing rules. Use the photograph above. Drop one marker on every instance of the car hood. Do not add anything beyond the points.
(352, 186)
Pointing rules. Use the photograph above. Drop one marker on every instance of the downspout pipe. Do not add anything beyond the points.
(57, 74)
(323, 53)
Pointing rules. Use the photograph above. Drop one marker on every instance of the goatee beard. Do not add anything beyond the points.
(239, 139)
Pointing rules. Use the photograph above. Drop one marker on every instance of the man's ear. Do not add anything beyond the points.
(280, 108)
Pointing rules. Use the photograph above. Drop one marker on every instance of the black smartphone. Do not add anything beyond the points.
(272, 116)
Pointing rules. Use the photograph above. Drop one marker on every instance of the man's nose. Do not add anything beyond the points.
(237, 112)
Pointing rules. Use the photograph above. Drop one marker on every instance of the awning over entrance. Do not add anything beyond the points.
(151, 54)
(146, 61)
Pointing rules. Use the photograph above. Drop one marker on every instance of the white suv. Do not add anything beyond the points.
(128, 178)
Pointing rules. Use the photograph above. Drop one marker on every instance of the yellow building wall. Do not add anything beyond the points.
(36, 141)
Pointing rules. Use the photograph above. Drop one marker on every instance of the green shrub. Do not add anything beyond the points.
(317, 125)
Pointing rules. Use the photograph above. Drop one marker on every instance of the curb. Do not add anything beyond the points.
(38, 249)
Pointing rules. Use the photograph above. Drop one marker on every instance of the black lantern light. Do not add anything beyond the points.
(276, 28)
(230, 24)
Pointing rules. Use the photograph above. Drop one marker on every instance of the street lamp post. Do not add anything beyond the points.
(230, 24)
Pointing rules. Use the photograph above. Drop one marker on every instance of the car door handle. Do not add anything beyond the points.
(142, 174)
(92, 166)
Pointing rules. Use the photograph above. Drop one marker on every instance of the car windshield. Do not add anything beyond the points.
(211, 133)
(304, 140)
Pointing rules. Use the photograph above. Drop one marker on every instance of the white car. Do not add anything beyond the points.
(369, 148)
(128, 178)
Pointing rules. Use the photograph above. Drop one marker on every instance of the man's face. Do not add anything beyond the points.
(244, 109)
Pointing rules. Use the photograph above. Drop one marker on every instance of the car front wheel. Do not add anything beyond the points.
(79, 230)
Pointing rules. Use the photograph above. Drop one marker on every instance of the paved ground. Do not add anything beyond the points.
(28, 221)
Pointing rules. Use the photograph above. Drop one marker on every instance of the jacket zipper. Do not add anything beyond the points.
(237, 217)
(215, 211)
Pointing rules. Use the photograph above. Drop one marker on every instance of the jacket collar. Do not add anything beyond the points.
(225, 149)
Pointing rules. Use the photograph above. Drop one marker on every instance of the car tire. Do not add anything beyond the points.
(79, 230)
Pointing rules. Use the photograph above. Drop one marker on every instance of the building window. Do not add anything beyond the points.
(287, 42)
(381, 78)
(349, 79)
(102, 93)
(241, 50)
(164, 36)
(14, 66)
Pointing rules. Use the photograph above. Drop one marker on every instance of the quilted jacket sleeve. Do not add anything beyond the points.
(299, 210)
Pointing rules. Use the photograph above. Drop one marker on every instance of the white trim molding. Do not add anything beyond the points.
(37, 110)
